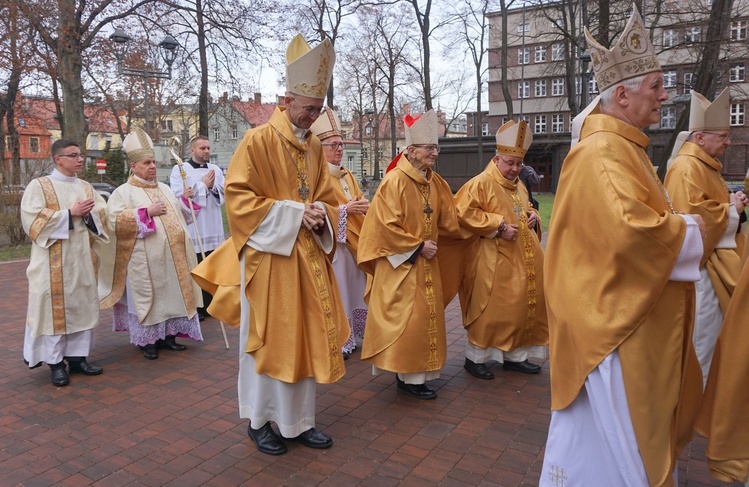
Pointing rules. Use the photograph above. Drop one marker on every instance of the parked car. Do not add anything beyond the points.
(104, 189)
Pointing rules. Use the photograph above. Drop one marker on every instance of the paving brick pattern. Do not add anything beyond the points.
(174, 421)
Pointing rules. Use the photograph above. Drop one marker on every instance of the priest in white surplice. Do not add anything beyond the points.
(282, 209)
(66, 220)
(619, 271)
(207, 183)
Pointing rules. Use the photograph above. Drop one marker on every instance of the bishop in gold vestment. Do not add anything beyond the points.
(405, 331)
(619, 271)
(502, 299)
(274, 277)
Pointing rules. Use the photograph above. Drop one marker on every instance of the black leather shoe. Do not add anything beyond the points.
(419, 391)
(79, 365)
(59, 375)
(314, 439)
(524, 367)
(266, 440)
(150, 351)
(346, 355)
(478, 370)
(170, 343)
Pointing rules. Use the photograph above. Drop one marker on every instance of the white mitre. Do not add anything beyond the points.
(513, 139)
(309, 70)
(138, 146)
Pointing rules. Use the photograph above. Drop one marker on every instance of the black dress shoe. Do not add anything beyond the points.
(59, 375)
(346, 355)
(419, 391)
(79, 365)
(170, 343)
(524, 367)
(150, 351)
(478, 370)
(266, 440)
(314, 439)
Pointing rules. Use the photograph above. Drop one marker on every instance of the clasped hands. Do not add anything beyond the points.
(313, 217)
(358, 205)
(82, 208)
(209, 179)
(739, 200)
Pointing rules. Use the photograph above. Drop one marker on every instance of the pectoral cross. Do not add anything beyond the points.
(519, 212)
(428, 209)
(303, 191)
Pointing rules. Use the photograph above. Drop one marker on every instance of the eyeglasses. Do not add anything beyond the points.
(335, 145)
(74, 156)
(719, 136)
(518, 165)
(309, 108)
(428, 147)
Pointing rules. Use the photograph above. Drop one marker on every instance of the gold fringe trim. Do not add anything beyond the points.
(56, 278)
(432, 362)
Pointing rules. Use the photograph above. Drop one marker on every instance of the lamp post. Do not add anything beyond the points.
(168, 47)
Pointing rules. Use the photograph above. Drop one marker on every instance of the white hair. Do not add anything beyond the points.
(632, 84)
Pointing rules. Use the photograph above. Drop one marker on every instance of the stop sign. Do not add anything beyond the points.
(101, 164)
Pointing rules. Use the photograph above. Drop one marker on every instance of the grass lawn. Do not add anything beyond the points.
(21, 252)
(546, 202)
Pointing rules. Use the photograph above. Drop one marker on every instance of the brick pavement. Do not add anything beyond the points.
(174, 421)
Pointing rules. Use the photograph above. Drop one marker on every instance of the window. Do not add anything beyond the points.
(216, 133)
(668, 118)
(214, 159)
(368, 131)
(669, 79)
(540, 127)
(484, 129)
(557, 52)
(167, 125)
(592, 85)
(694, 34)
(527, 119)
(557, 123)
(578, 85)
(557, 87)
(524, 89)
(738, 30)
(350, 161)
(737, 114)
(382, 173)
(670, 38)
(688, 79)
(540, 54)
(365, 153)
(93, 142)
(540, 87)
(736, 73)
(524, 28)
(234, 132)
(524, 55)
(33, 144)
(559, 23)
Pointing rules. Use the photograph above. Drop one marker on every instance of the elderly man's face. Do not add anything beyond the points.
(145, 169)
(714, 142)
(644, 107)
(423, 156)
(333, 148)
(302, 110)
(509, 166)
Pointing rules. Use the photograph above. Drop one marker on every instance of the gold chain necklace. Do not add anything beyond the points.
(655, 176)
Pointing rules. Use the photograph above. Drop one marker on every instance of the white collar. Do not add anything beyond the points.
(58, 176)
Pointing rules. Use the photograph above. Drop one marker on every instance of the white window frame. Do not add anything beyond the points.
(38, 146)
(669, 79)
(557, 51)
(693, 34)
(557, 123)
(524, 55)
(526, 27)
(738, 114)
(216, 133)
(592, 85)
(668, 117)
(739, 29)
(485, 128)
(539, 54)
(524, 89)
(234, 132)
(527, 119)
(737, 73)
(688, 82)
(540, 126)
(670, 38)
(540, 88)
(557, 87)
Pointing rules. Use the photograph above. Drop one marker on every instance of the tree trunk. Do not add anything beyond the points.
(479, 116)
(203, 100)
(74, 126)
(503, 62)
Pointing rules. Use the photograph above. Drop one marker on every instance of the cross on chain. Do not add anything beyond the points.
(303, 190)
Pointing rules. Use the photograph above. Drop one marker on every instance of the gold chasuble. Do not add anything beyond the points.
(613, 243)
(405, 330)
(155, 268)
(297, 321)
(502, 295)
(723, 418)
(696, 186)
(346, 188)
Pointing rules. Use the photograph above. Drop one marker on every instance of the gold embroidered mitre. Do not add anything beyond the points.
(308, 70)
(631, 57)
(513, 139)
(704, 115)
(423, 129)
(326, 125)
(138, 146)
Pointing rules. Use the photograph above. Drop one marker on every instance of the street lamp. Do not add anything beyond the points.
(168, 47)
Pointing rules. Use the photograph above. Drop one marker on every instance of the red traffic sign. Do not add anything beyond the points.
(101, 164)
